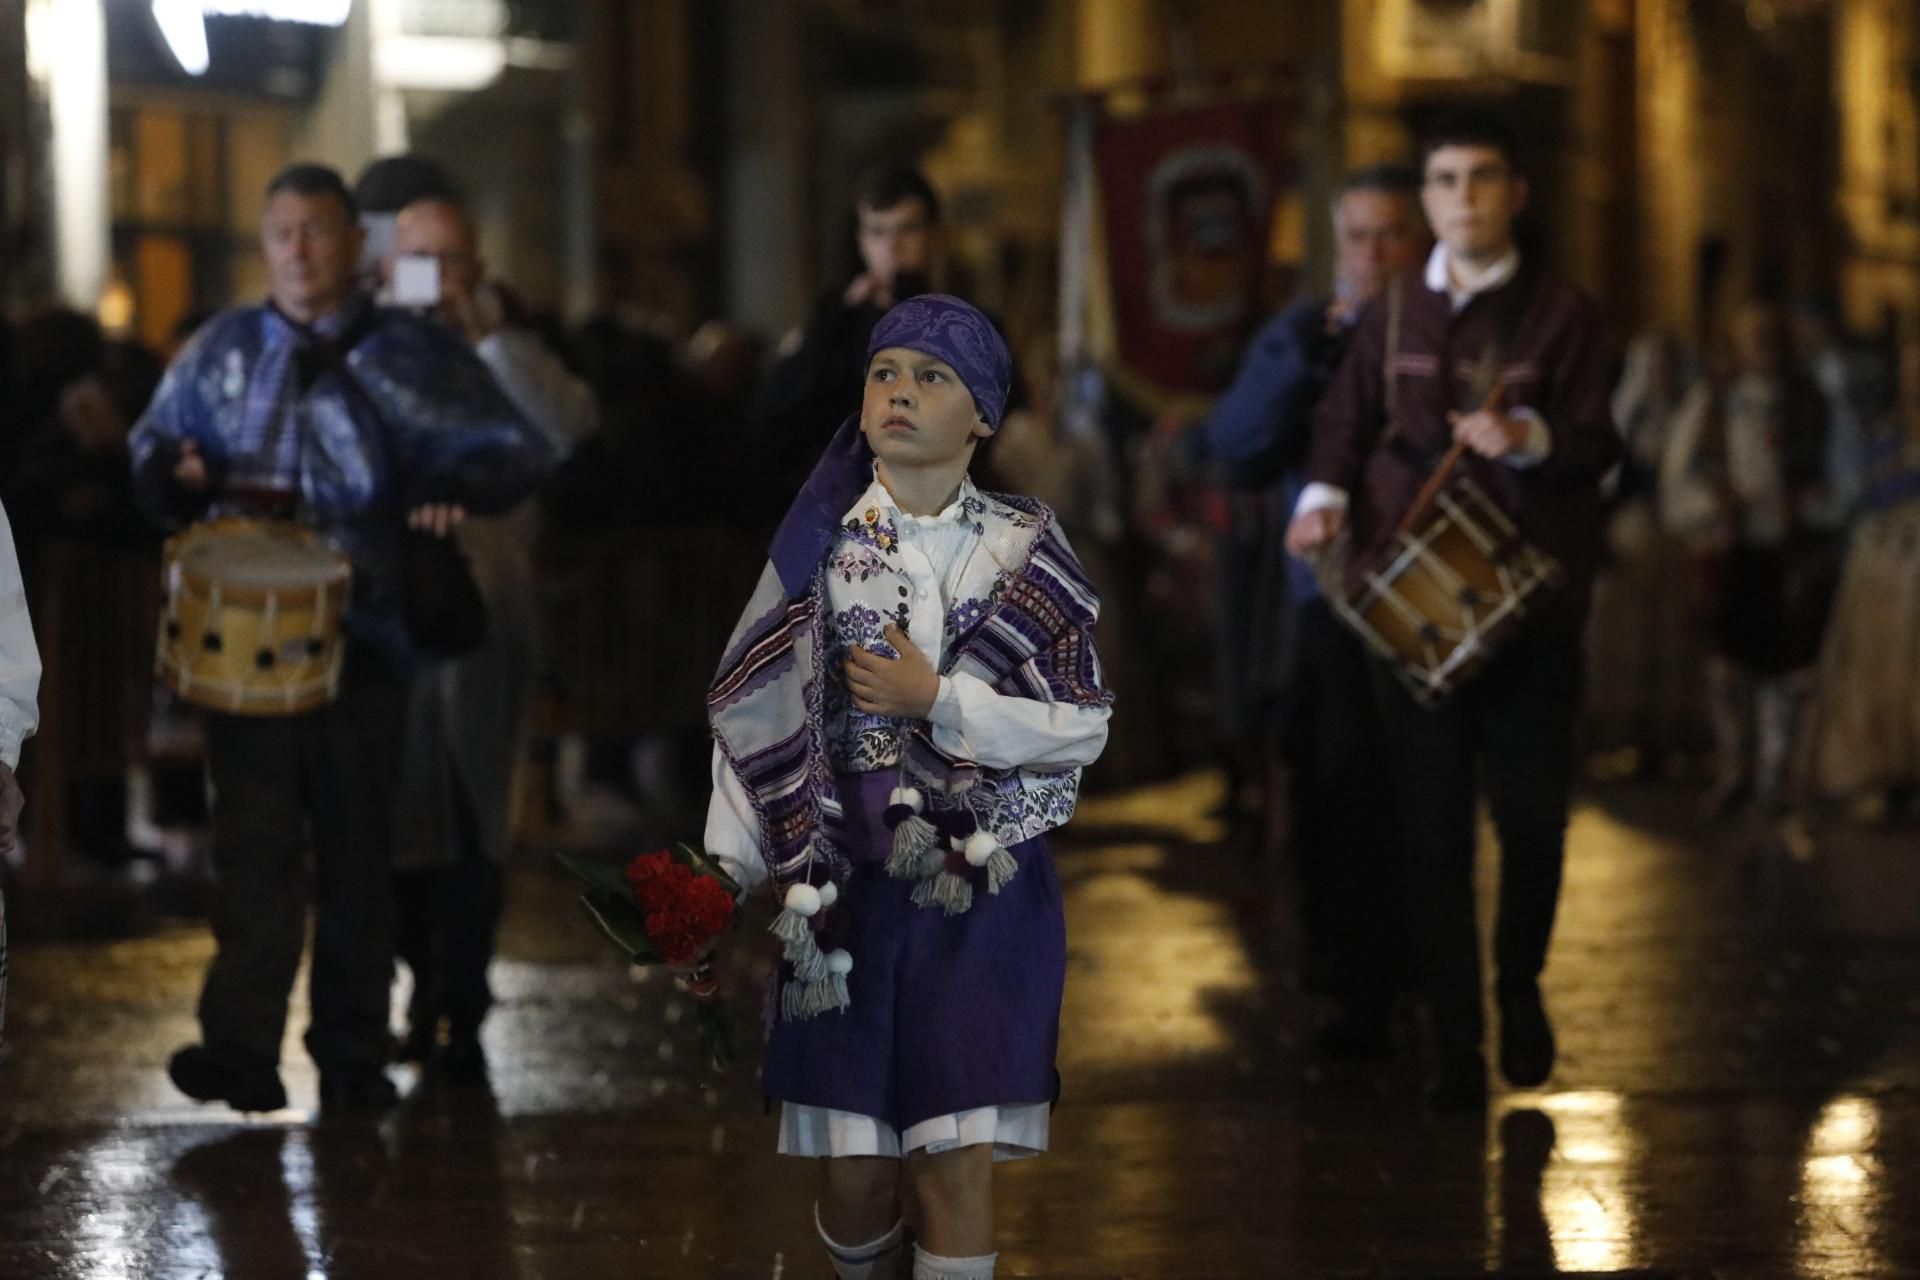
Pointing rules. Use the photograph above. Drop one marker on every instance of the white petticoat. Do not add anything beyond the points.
(1016, 1132)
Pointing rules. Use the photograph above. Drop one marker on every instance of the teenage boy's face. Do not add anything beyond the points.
(917, 412)
(897, 240)
(1472, 195)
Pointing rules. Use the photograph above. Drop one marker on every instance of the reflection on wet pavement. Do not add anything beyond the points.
(1741, 1054)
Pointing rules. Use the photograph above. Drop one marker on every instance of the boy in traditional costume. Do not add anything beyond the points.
(902, 714)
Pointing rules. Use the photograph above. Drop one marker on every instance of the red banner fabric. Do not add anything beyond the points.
(1187, 196)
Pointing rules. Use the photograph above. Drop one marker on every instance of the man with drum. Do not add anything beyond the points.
(320, 410)
(1343, 838)
(1488, 350)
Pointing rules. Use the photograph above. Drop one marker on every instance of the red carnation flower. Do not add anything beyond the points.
(647, 867)
(678, 937)
(710, 905)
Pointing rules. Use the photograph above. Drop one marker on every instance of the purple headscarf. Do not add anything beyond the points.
(938, 325)
(942, 326)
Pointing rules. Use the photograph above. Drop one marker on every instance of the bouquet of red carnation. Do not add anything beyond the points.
(667, 907)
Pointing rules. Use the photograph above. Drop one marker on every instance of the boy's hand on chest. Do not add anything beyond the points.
(904, 687)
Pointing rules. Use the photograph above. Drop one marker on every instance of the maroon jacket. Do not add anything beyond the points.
(1554, 364)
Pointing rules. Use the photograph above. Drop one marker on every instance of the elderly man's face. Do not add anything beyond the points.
(1377, 234)
(436, 229)
(312, 247)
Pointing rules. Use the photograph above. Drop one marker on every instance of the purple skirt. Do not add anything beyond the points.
(948, 1013)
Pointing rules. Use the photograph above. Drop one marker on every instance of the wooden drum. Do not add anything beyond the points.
(251, 620)
(1452, 590)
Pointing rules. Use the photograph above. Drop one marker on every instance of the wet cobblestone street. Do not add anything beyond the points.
(1736, 1096)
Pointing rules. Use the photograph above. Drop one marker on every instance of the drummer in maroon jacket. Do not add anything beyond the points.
(1479, 316)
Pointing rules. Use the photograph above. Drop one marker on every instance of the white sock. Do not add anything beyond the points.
(870, 1261)
(931, 1266)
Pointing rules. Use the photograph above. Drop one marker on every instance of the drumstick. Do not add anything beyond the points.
(1444, 472)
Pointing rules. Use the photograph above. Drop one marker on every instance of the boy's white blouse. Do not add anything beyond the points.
(936, 576)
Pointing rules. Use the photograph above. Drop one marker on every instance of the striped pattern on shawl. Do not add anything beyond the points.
(765, 704)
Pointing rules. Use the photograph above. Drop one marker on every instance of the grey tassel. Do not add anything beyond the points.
(791, 928)
(793, 1001)
(810, 965)
(913, 839)
(1000, 869)
(837, 985)
(951, 893)
(819, 999)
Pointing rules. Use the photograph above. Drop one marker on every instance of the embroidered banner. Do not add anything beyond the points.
(1187, 196)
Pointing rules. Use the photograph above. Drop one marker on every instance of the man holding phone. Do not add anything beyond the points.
(817, 383)
(466, 716)
(436, 266)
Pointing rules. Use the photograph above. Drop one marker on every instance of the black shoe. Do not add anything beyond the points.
(1355, 1037)
(1460, 1086)
(464, 1061)
(363, 1089)
(1526, 1037)
(206, 1076)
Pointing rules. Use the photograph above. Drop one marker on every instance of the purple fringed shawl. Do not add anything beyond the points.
(765, 704)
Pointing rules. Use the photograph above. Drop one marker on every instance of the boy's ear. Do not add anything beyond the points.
(982, 429)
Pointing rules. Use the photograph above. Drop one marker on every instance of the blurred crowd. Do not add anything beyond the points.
(1756, 625)
(1745, 626)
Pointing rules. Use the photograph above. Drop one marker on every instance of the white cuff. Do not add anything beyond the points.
(1320, 497)
(1538, 444)
(13, 735)
(946, 706)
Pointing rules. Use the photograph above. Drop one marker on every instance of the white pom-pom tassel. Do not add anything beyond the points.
(979, 847)
(908, 796)
(951, 893)
(915, 849)
(839, 965)
(804, 900)
(809, 962)
(792, 929)
(829, 894)
(1000, 869)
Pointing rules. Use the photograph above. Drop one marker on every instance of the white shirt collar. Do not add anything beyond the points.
(878, 500)
(1462, 283)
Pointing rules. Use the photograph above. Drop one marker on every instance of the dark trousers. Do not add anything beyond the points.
(327, 774)
(1510, 730)
(1345, 840)
(447, 919)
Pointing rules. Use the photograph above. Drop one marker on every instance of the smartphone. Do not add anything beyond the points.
(416, 280)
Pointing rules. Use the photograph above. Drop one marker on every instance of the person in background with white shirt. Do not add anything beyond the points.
(1746, 486)
(1481, 315)
(466, 720)
(19, 712)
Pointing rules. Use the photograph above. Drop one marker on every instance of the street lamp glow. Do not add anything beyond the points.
(184, 27)
(314, 13)
(183, 23)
